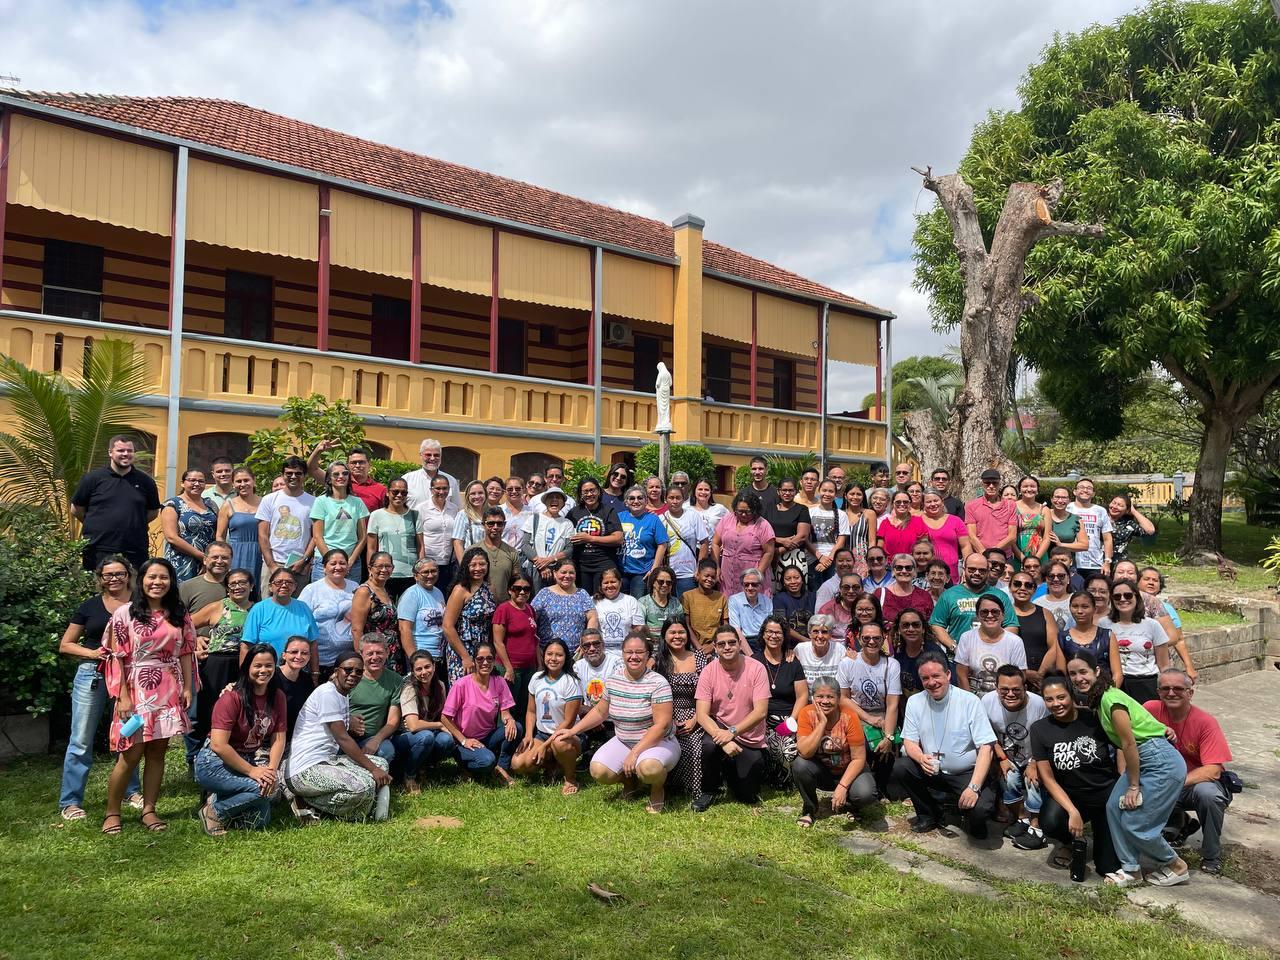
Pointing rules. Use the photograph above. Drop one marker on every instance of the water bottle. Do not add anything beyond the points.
(1077, 859)
(131, 726)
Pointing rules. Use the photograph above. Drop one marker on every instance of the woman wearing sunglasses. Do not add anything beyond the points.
(1142, 642)
(326, 769)
(1038, 630)
(984, 650)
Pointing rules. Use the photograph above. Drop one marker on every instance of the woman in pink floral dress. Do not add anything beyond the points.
(744, 541)
(149, 672)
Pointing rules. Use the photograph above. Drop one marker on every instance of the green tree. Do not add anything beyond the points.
(1164, 127)
(60, 427)
(909, 375)
(693, 458)
(306, 421)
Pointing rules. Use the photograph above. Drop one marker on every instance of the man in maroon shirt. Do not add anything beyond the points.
(1204, 748)
(373, 493)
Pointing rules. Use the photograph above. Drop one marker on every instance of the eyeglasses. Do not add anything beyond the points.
(996, 564)
(1173, 689)
(292, 473)
(903, 567)
(750, 583)
(591, 644)
(725, 644)
(520, 589)
(1056, 576)
(495, 523)
(670, 583)
(349, 670)
(483, 659)
(989, 613)
(115, 576)
(911, 626)
(875, 559)
(1122, 596)
(902, 473)
(848, 586)
(635, 499)
(515, 489)
(397, 493)
(1022, 585)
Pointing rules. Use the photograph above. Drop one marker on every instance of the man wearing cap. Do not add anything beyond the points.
(992, 521)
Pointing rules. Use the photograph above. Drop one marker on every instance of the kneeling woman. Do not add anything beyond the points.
(1077, 775)
(1154, 771)
(637, 701)
(555, 697)
(326, 768)
(240, 763)
(832, 754)
(477, 713)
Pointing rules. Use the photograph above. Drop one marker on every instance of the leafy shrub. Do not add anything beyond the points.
(693, 458)
(1151, 455)
(41, 584)
(307, 421)
(384, 471)
(580, 467)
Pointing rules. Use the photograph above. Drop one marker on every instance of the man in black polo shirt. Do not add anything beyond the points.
(115, 504)
(941, 481)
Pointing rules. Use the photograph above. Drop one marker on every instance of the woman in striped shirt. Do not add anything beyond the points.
(637, 701)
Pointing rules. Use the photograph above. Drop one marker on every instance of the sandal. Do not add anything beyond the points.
(135, 801)
(155, 824)
(805, 821)
(1061, 858)
(209, 820)
(72, 812)
(112, 828)
(652, 807)
(1122, 878)
(1166, 877)
(569, 789)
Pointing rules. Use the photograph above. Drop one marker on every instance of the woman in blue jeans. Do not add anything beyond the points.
(240, 763)
(477, 714)
(1149, 787)
(423, 740)
(83, 639)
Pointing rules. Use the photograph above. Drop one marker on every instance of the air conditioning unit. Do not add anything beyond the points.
(617, 335)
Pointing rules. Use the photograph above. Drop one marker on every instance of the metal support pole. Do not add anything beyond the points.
(596, 345)
(888, 392)
(822, 390)
(177, 281)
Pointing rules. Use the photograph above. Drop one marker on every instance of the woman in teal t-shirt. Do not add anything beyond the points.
(1152, 779)
(339, 521)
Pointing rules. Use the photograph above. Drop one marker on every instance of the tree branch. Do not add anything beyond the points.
(1189, 383)
(1057, 228)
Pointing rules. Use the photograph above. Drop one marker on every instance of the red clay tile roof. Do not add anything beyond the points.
(237, 127)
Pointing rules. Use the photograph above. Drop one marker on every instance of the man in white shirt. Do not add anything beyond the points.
(1096, 558)
(594, 666)
(687, 539)
(419, 481)
(947, 745)
(284, 526)
(1012, 711)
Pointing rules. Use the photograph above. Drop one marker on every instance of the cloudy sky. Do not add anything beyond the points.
(789, 128)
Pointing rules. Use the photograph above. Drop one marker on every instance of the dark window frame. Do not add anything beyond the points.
(512, 345)
(784, 387)
(72, 273)
(719, 388)
(245, 296)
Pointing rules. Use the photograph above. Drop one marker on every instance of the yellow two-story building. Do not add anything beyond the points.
(252, 257)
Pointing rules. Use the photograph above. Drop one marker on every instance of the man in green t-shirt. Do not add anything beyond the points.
(375, 701)
(954, 613)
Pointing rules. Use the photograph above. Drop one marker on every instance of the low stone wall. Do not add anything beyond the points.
(1228, 651)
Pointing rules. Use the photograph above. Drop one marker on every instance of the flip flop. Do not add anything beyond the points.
(1061, 858)
(72, 812)
(569, 789)
(1165, 877)
(209, 820)
(805, 821)
(135, 801)
(112, 828)
(155, 825)
(1121, 878)
(652, 807)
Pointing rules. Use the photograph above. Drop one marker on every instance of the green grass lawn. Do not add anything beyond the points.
(1245, 545)
(1200, 619)
(511, 882)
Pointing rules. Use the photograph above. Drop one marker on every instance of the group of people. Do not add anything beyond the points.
(806, 636)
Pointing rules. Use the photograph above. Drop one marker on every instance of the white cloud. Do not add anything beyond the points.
(791, 130)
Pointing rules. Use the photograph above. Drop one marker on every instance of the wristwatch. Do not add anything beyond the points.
(733, 730)
(975, 787)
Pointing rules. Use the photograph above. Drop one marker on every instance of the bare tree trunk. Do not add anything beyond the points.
(1202, 541)
(932, 447)
(994, 302)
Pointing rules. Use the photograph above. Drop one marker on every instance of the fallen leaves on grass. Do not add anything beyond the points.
(438, 823)
(608, 896)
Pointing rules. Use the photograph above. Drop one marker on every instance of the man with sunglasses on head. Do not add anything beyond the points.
(941, 481)
(992, 520)
(1203, 746)
(955, 613)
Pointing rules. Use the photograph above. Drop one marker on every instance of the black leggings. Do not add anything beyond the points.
(745, 772)
(1053, 821)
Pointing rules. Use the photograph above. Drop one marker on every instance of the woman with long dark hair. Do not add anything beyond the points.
(239, 765)
(555, 697)
(339, 521)
(1142, 642)
(149, 673)
(680, 663)
(1154, 771)
(423, 741)
(468, 616)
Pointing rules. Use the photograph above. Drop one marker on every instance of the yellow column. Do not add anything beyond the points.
(686, 377)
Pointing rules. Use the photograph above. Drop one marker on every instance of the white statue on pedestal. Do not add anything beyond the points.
(663, 389)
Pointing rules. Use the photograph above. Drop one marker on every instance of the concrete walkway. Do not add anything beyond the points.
(1246, 706)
